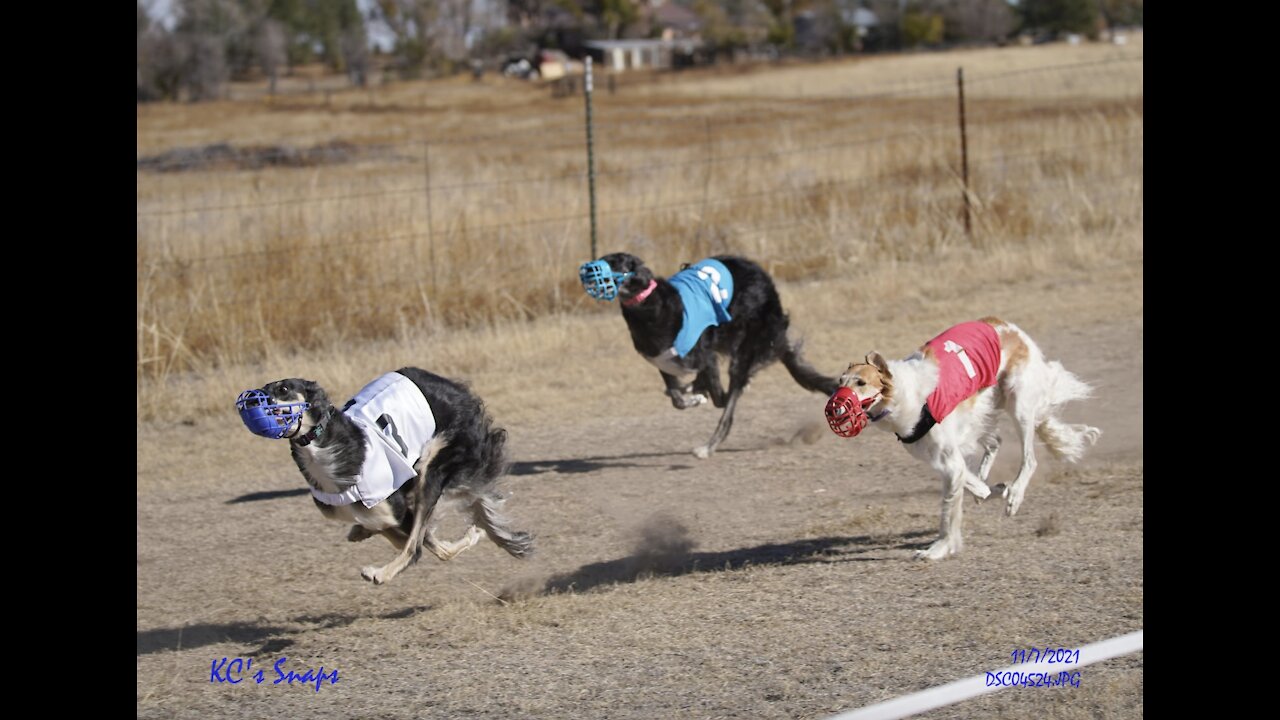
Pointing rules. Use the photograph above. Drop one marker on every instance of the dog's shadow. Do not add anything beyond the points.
(266, 639)
(578, 466)
(267, 495)
(671, 558)
(568, 466)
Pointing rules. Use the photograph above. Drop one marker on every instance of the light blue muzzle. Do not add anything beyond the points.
(600, 281)
(266, 417)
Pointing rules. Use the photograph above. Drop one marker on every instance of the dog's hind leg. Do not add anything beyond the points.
(427, 494)
(722, 428)
(708, 382)
(449, 550)
(1025, 419)
(739, 374)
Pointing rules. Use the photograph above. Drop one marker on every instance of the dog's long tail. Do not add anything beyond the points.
(1066, 441)
(486, 508)
(804, 373)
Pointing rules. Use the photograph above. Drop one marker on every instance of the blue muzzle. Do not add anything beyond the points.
(264, 416)
(600, 281)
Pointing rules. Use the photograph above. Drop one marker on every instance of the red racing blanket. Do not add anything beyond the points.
(968, 359)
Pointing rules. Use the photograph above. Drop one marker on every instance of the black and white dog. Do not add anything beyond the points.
(385, 460)
(751, 330)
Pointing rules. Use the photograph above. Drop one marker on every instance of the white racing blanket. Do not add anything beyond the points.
(397, 422)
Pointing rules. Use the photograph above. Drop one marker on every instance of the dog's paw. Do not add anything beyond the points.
(702, 451)
(1014, 497)
(940, 549)
(997, 491)
(372, 573)
(980, 491)
(359, 533)
(684, 402)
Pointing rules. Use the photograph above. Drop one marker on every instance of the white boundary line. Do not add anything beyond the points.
(953, 692)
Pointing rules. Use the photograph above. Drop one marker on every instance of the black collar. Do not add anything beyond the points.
(316, 431)
(922, 428)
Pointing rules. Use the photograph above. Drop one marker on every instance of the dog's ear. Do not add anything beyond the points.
(639, 281)
(313, 393)
(623, 262)
(875, 360)
(641, 275)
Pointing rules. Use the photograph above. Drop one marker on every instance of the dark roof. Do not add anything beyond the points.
(672, 15)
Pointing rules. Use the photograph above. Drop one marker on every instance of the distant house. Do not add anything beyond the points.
(814, 30)
(665, 34)
(861, 18)
(622, 55)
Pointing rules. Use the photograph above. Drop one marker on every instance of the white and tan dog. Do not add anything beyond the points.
(944, 401)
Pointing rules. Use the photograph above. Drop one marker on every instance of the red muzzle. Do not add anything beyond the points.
(845, 414)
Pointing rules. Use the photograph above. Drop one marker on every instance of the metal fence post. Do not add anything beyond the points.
(964, 155)
(431, 240)
(591, 162)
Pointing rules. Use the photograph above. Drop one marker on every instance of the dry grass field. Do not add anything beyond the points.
(823, 172)
(441, 224)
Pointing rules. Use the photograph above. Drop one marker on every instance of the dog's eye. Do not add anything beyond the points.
(861, 382)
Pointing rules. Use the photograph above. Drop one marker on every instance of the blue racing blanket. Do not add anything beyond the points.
(706, 289)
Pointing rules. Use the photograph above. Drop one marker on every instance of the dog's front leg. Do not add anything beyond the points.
(956, 478)
(681, 397)
(427, 494)
(949, 541)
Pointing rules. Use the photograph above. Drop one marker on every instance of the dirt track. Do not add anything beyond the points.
(774, 580)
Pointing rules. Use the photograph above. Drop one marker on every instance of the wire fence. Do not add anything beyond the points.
(714, 135)
(226, 228)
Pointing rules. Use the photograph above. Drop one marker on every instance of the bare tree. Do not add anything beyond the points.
(272, 52)
(205, 29)
(144, 24)
(355, 55)
(206, 66)
(410, 21)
